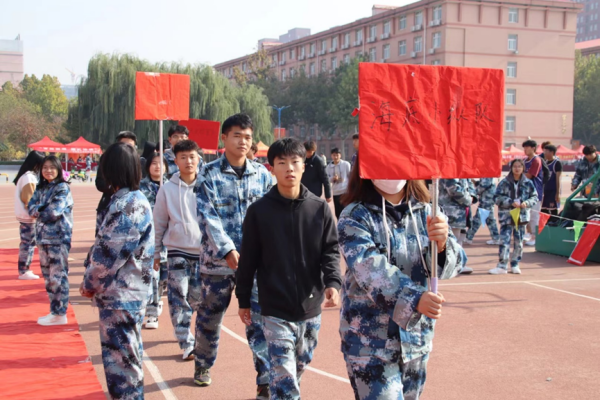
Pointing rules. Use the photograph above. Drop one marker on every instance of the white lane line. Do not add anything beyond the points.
(162, 385)
(516, 282)
(564, 291)
(309, 368)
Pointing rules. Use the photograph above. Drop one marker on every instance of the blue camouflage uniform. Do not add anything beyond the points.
(584, 171)
(159, 278)
(172, 168)
(385, 341)
(485, 193)
(118, 273)
(504, 198)
(223, 201)
(52, 206)
(26, 246)
(455, 197)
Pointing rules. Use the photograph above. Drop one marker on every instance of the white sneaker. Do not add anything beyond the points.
(51, 319)
(493, 242)
(516, 270)
(466, 271)
(159, 309)
(527, 237)
(498, 271)
(467, 241)
(530, 243)
(151, 323)
(28, 276)
(188, 354)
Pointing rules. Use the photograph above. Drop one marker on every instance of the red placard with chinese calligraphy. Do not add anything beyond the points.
(424, 122)
(204, 133)
(162, 96)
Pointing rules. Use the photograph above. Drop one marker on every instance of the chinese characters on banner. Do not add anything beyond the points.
(162, 96)
(424, 122)
(204, 133)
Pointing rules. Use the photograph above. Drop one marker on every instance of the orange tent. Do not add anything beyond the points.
(262, 150)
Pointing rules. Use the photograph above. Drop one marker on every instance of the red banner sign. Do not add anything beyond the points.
(204, 133)
(162, 96)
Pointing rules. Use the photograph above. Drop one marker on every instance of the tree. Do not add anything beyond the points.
(106, 99)
(45, 93)
(586, 106)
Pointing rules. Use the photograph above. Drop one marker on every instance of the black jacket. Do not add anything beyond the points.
(292, 245)
(102, 187)
(315, 177)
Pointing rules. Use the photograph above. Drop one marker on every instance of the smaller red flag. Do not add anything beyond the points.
(543, 221)
(204, 133)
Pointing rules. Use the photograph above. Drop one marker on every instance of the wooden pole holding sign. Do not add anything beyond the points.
(430, 122)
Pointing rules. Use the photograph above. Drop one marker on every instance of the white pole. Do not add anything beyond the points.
(160, 141)
(434, 188)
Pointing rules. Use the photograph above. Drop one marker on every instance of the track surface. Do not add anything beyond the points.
(533, 336)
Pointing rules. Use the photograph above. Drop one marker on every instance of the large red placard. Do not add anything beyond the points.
(204, 133)
(424, 122)
(162, 96)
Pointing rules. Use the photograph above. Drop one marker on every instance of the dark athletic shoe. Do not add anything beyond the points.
(202, 377)
(263, 392)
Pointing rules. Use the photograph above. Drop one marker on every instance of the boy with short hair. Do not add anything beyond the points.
(230, 185)
(176, 226)
(177, 133)
(290, 241)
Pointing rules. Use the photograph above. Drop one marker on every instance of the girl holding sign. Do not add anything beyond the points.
(388, 314)
(515, 195)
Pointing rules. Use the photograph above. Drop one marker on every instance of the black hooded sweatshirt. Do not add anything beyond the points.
(292, 245)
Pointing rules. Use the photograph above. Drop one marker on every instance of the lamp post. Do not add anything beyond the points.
(279, 110)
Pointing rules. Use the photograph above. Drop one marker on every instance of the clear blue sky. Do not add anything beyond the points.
(66, 34)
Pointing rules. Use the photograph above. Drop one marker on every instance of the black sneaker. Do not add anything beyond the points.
(263, 392)
(202, 377)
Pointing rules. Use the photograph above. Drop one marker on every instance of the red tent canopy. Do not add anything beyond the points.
(46, 144)
(512, 152)
(564, 153)
(81, 146)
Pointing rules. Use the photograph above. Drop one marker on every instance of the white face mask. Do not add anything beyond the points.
(389, 186)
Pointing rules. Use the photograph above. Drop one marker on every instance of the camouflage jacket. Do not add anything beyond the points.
(505, 196)
(485, 193)
(584, 171)
(456, 195)
(223, 200)
(52, 206)
(172, 167)
(119, 264)
(150, 190)
(379, 314)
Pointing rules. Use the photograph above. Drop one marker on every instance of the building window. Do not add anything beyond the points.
(511, 70)
(418, 45)
(283, 74)
(302, 131)
(402, 47)
(312, 49)
(437, 13)
(323, 65)
(359, 36)
(302, 52)
(402, 24)
(283, 56)
(346, 40)
(386, 52)
(346, 58)
(244, 67)
(359, 53)
(323, 45)
(312, 69)
(386, 27)
(372, 54)
(436, 62)
(372, 32)
(513, 15)
(510, 124)
(292, 54)
(513, 42)
(419, 18)
(334, 63)
(511, 97)
(292, 72)
(303, 68)
(334, 43)
(437, 40)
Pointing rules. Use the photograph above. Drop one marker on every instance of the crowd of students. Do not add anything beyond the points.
(202, 232)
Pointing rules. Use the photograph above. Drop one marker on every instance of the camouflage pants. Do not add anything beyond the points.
(291, 346)
(216, 293)
(122, 352)
(490, 222)
(375, 379)
(54, 262)
(505, 233)
(26, 247)
(157, 292)
(183, 296)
